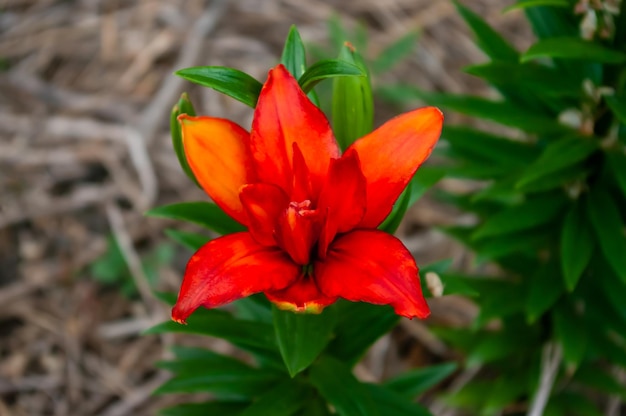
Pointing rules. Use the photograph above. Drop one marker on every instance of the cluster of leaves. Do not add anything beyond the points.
(297, 363)
(551, 213)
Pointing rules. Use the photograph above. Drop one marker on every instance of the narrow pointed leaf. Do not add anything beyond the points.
(388, 402)
(617, 161)
(532, 213)
(232, 82)
(183, 106)
(359, 326)
(335, 382)
(328, 68)
(294, 55)
(490, 41)
(524, 4)
(576, 245)
(302, 336)
(570, 332)
(205, 214)
(609, 229)
(425, 178)
(546, 286)
(556, 156)
(285, 399)
(573, 48)
(393, 220)
(192, 241)
(415, 382)
(618, 106)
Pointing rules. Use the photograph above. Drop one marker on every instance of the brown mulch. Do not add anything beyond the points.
(86, 87)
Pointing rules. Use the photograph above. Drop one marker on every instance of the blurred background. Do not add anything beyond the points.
(86, 88)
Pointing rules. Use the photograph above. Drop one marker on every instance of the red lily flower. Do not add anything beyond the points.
(311, 212)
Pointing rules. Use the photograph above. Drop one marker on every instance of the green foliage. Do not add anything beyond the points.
(551, 212)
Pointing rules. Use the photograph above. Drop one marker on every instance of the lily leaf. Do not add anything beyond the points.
(609, 229)
(394, 53)
(232, 82)
(573, 48)
(576, 246)
(302, 336)
(334, 380)
(524, 4)
(285, 399)
(328, 68)
(183, 106)
(570, 330)
(205, 214)
(224, 408)
(294, 55)
(192, 241)
(415, 382)
(490, 41)
(556, 156)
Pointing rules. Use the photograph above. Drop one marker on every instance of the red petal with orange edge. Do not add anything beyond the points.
(301, 296)
(229, 268)
(375, 267)
(391, 154)
(342, 198)
(218, 153)
(263, 204)
(285, 115)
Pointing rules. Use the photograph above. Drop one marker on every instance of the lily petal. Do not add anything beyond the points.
(229, 268)
(342, 198)
(375, 267)
(391, 154)
(283, 116)
(263, 203)
(218, 153)
(302, 296)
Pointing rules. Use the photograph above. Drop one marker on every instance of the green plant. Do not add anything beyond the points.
(551, 211)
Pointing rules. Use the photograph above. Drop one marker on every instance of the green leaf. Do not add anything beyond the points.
(192, 241)
(229, 385)
(352, 103)
(524, 4)
(569, 330)
(456, 284)
(393, 220)
(558, 155)
(425, 178)
(294, 55)
(394, 53)
(302, 336)
(566, 47)
(618, 106)
(508, 342)
(490, 41)
(359, 326)
(204, 409)
(488, 148)
(540, 78)
(247, 335)
(205, 214)
(183, 106)
(169, 298)
(546, 286)
(232, 82)
(286, 399)
(416, 382)
(609, 229)
(531, 213)
(617, 162)
(503, 112)
(387, 402)
(328, 68)
(576, 245)
(334, 380)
